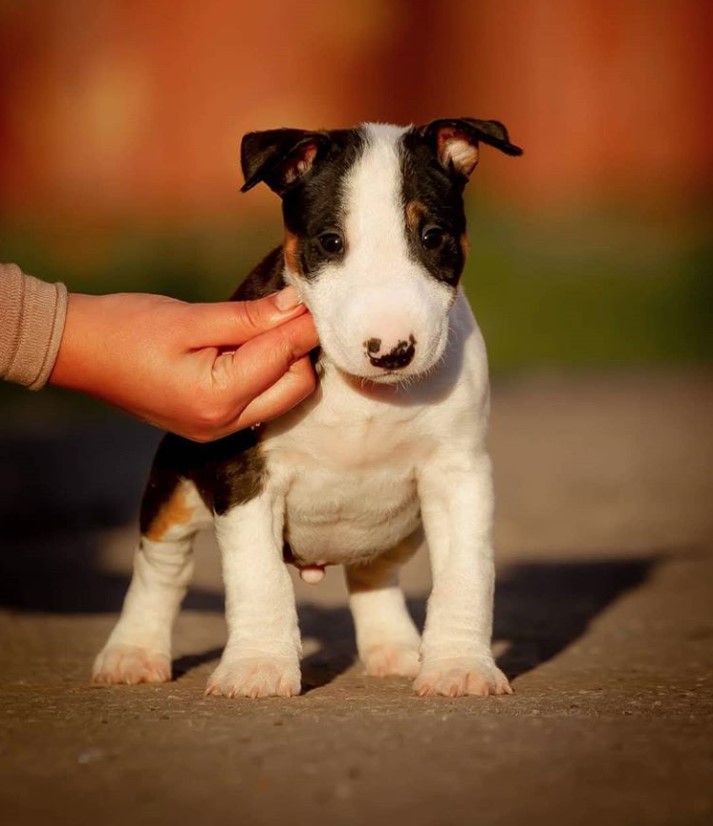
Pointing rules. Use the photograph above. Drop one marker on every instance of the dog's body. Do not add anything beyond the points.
(391, 446)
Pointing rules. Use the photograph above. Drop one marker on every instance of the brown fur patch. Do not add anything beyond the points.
(290, 249)
(415, 212)
(464, 245)
(174, 511)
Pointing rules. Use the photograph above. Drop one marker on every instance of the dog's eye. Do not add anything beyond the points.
(432, 237)
(331, 243)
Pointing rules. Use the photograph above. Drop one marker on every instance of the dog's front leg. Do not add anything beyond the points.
(261, 658)
(457, 510)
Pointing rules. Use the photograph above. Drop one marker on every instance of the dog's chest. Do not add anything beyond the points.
(349, 473)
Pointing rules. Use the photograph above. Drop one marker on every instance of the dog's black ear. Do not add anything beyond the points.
(455, 141)
(279, 157)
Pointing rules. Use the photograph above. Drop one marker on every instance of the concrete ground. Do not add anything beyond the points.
(604, 620)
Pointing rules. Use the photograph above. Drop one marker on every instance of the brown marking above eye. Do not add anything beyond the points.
(174, 511)
(290, 249)
(415, 213)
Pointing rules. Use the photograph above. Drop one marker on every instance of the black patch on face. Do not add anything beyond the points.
(432, 198)
(313, 207)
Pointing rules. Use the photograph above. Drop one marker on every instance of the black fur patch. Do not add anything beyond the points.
(226, 472)
(314, 205)
(435, 191)
(439, 199)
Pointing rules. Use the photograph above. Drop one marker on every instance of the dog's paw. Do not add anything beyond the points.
(255, 677)
(461, 677)
(130, 664)
(391, 660)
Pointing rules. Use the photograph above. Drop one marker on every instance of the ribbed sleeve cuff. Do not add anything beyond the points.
(32, 316)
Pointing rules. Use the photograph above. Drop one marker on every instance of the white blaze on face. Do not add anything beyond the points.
(379, 314)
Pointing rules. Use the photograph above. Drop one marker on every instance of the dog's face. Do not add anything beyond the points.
(375, 233)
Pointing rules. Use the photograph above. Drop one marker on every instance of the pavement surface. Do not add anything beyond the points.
(604, 622)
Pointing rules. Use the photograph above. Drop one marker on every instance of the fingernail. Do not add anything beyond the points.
(287, 299)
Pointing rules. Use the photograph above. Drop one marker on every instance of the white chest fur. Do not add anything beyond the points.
(349, 486)
(346, 464)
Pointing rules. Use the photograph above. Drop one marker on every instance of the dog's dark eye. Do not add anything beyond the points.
(331, 243)
(432, 237)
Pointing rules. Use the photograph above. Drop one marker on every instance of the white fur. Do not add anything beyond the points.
(263, 650)
(354, 476)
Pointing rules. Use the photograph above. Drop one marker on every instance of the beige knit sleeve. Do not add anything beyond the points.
(32, 315)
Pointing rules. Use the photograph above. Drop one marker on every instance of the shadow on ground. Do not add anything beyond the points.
(540, 607)
(59, 495)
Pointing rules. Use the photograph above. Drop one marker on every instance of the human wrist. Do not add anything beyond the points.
(75, 365)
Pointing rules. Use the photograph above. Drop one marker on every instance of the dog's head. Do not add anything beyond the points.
(375, 233)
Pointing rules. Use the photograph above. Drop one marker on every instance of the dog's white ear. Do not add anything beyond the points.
(455, 141)
(279, 157)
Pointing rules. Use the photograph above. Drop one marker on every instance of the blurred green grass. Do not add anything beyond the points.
(608, 287)
(605, 289)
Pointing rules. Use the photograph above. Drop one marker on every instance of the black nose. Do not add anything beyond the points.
(399, 357)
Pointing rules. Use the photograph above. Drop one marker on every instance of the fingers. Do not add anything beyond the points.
(260, 362)
(287, 392)
(235, 380)
(232, 323)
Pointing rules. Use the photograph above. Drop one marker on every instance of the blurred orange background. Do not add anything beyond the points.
(120, 125)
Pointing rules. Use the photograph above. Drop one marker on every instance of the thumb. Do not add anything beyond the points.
(232, 323)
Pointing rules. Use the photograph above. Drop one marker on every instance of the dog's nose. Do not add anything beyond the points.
(398, 357)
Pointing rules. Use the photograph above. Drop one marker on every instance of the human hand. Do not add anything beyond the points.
(199, 370)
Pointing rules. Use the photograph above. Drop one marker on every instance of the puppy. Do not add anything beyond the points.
(389, 454)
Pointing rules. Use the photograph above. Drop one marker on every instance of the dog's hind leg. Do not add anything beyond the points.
(387, 639)
(139, 648)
